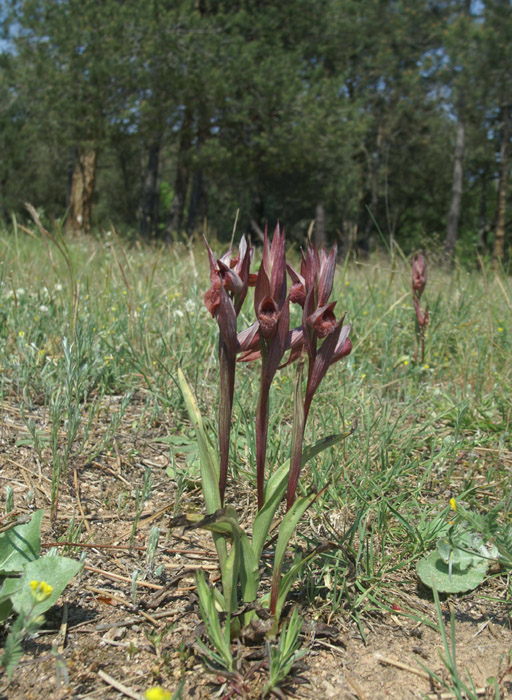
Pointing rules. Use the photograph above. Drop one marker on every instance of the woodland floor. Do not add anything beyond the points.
(97, 628)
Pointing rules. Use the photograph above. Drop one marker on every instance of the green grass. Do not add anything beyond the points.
(113, 321)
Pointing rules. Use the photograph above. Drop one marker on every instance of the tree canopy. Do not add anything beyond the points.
(159, 116)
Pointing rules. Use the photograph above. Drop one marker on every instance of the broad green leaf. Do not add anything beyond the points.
(454, 555)
(20, 545)
(434, 572)
(10, 586)
(54, 570)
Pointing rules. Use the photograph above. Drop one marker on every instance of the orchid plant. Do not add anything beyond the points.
(419, 281)
(319, 341)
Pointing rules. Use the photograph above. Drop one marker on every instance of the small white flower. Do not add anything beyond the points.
(20, 292)
(178, 313)
(58, 287)
(43, 308)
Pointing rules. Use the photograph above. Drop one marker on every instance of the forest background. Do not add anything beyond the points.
(362, 115)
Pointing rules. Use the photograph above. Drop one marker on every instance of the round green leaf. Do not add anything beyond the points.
(434, 572)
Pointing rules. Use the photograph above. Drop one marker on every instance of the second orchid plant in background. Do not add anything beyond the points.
(419, 281)
(319, 341)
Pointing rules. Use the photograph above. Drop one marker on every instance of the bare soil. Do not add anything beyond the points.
(99, 628)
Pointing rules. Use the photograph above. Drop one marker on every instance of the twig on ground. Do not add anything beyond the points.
(118, 577)
(119, 686)
(356, 687)
(133, 621)
(398, 664)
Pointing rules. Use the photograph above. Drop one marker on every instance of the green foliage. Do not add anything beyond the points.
(283, 655)
(197, 110)
(242, 564)
(21, 568)
(219, 637)
(463, 554)
(20, 545)
(457, 575)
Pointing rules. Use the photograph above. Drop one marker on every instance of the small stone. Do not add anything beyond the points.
(115, 634)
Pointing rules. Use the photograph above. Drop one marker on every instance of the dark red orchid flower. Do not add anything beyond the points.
(229, 280)
(232, 273)
(322, 337)
(312, 289)
(272, 308)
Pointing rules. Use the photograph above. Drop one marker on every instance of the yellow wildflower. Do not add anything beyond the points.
(453, 504)
(157, 693)
(40, 590)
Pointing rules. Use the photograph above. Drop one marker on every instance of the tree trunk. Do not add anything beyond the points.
(3, 189)
(175, 218)
(499, 238)
(364, 242)
(320, 232)
(82, 190)
(483, 227)
(348, 236)
(150, 195)
(452, 228)
(197, 206)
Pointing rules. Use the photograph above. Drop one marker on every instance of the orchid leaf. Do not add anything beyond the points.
(224, 523)
(207, 455)
(292, 573)
(249, 570)
(276, 488)
(299, 423)
(220, 638)
(209, 462)
(230, 572)
(286, 531)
